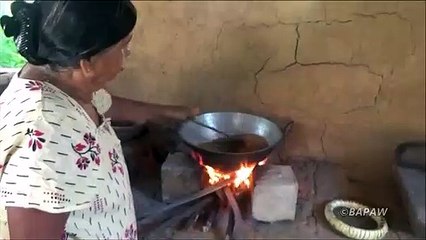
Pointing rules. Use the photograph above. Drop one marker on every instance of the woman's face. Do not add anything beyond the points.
(110, 62)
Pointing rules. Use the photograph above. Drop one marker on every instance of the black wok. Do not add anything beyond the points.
(232, 123)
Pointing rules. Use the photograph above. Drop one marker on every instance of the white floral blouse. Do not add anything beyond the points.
(54, 158)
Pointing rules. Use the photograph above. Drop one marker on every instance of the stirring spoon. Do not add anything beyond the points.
(209, 127)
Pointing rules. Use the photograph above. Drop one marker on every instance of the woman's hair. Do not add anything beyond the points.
(61, 33)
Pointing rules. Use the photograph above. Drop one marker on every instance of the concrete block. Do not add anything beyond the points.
(180, 176)
(275, 194)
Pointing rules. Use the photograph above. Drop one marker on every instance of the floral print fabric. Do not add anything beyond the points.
(54, 158)
(89, 148)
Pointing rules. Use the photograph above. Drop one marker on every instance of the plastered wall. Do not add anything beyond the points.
(350, 74)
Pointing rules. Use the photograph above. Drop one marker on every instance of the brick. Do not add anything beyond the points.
(180, 176)
(275, 194)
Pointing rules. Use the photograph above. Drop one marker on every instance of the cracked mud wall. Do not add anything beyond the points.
(351, 74)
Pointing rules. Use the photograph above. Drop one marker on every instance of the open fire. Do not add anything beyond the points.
(242, 176)
(221, 206)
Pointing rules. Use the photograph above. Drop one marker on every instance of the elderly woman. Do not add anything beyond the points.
(62, 172)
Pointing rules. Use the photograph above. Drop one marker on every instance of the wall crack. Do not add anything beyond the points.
(399, 16)
(296, 49)
(296, 62)
(265, 25)
(326, 22)
(376, 98)
(349, 65)
(324, 151)
(359, 108)
(256, 79)
(218, 35)
(379, 92)
(375, 15)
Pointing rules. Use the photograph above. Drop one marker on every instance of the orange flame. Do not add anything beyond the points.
(242, 175)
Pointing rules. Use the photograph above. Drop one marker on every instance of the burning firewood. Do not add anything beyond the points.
(165, 211)
(192, 221)
(172, 222)
(221, 214)
(241, 229)
(223, 221)
(210, 220)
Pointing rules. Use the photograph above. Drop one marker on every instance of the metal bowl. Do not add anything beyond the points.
(232, 123)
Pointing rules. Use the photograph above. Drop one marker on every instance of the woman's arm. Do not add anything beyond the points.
(27, 223)
(129, 110)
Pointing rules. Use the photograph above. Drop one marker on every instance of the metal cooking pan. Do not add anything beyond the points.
(232, 123)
